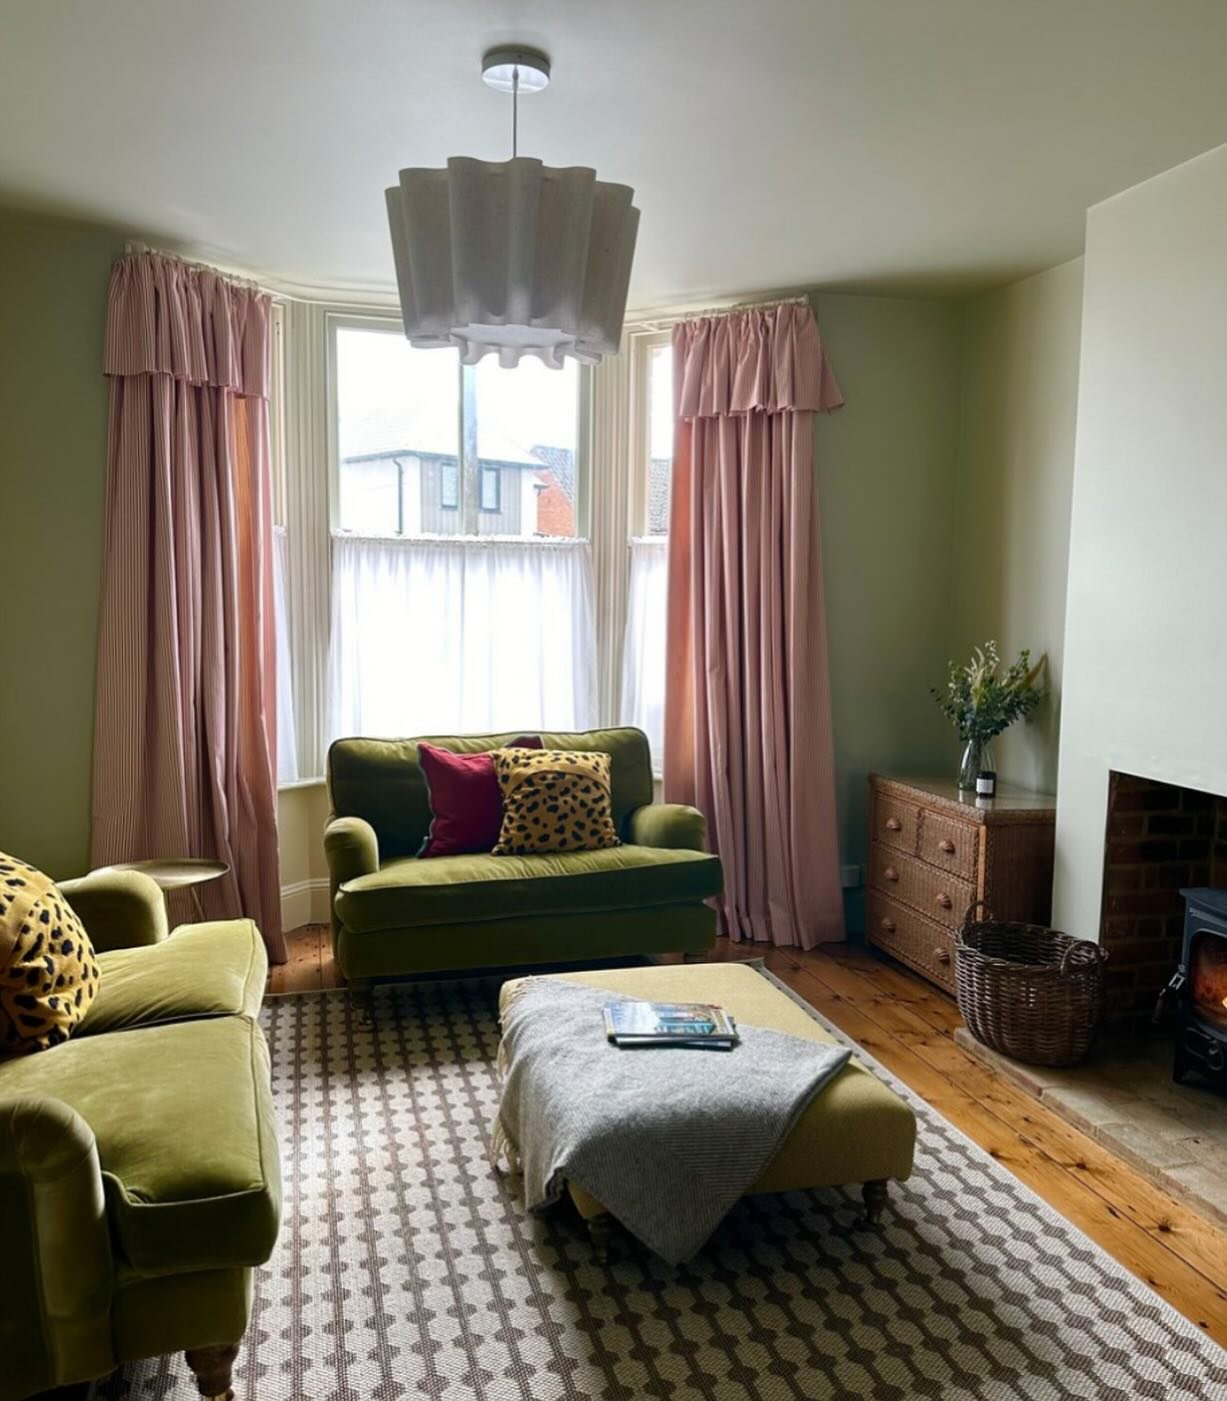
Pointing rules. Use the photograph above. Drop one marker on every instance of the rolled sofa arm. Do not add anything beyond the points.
(57, 1280)
(670, 825)
(119, 909)
(351, 848)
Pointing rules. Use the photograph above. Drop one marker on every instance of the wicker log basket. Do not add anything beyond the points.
(1034, 994)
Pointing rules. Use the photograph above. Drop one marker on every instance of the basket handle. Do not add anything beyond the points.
(1082, 947)
(969, 915)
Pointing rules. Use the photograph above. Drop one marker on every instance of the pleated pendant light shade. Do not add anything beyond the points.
(513, 257)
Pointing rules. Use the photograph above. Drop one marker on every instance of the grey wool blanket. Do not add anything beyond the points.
(667, 1139)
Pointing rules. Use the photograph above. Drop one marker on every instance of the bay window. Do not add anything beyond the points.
(444, 566)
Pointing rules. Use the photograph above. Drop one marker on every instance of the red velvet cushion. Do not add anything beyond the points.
(466, 803)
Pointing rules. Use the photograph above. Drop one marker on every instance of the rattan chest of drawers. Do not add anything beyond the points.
(932, 852)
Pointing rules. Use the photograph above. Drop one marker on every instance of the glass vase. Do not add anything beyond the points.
(977, 757)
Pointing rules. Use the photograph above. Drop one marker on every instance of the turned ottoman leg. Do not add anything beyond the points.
(600, 1233)
(212, 1367)
(874, 1195)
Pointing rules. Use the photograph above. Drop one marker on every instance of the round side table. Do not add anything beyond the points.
(173, 873)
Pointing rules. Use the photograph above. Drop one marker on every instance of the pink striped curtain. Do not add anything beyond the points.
(747, 701)
(184, 739)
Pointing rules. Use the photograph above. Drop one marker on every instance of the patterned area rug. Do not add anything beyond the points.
(407, 1267)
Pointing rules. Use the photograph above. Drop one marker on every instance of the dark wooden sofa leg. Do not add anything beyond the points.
(212, 1368)
(362, 995)
(600, 1233)
(875, 1196)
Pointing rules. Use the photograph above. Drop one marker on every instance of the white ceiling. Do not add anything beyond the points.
(901, 144)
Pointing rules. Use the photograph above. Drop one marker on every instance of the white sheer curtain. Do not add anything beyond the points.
(287, 737)
(643, 656)
(452, 636)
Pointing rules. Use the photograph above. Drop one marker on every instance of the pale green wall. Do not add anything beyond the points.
(886, 495)
(1015, 478)
(894, 547)
(52, 473)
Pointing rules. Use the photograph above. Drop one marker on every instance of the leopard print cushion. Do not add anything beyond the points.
(48, 972)
(554, 800)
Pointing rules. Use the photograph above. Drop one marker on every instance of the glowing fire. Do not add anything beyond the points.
(1208, 976)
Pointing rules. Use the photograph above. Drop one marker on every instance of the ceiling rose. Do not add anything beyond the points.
(513, 257)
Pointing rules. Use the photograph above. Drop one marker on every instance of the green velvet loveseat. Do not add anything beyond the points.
(139, 1170)
(393, 914)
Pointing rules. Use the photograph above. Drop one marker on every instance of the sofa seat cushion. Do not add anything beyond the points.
(458, 889)
(201, 970)
(183, 1119)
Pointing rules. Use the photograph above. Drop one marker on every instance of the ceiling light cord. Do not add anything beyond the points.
(515, 112)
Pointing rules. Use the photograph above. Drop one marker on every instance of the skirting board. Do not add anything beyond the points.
(304, 902)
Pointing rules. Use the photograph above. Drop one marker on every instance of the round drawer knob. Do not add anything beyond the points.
(945, 901)
(888, 925)
(894, 825)
(946, 845)
(942, 955)
(890, 873)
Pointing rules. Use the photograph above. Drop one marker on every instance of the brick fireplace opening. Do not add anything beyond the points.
(1160, 839)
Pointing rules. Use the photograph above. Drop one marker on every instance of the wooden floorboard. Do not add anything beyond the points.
(908, 1025)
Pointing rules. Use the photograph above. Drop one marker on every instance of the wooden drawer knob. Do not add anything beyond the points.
(942, 955)
(945, 902)
(946, 845)
(888, 925)
(894, 825)
(890, 873)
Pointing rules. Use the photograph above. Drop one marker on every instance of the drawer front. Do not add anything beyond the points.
(912, 939)
(952, 845)
(895, 822)
(939, 895)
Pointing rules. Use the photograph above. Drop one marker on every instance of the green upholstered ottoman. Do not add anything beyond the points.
(856, 1131)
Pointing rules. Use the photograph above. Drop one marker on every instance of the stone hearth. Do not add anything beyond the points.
(1123, 1096)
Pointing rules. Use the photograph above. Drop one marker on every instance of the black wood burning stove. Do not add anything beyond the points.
(1199, 989)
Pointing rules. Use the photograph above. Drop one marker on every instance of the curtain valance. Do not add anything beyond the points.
(764, 358)
(167, 317)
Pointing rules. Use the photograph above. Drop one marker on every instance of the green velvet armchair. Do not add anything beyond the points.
(394, 914)
(139, 1175)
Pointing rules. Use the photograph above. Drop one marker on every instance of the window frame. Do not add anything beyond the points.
(642, 342)
(385, 324)
(304, 453)
(468, 464)
(278, 486)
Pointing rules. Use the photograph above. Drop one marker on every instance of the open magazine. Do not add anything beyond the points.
(692, 1024)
